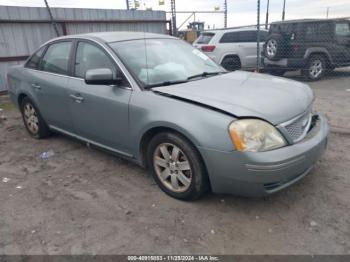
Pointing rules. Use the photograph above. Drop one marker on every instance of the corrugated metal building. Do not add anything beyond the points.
(24, 29)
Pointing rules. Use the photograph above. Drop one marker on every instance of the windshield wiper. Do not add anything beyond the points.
(205, 74)
(165, 83)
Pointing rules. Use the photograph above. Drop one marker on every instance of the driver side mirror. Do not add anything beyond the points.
(101, 76)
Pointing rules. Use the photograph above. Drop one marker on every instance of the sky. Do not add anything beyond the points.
(240, 12)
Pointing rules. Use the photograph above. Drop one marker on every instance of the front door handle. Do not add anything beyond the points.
(36, 86)
(77, 98)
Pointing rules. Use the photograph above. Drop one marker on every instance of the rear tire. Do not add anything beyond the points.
(231, 63)
(176, 166)
(33, 120)
(315, 68)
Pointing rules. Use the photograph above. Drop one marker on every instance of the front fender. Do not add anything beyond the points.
(204, 127)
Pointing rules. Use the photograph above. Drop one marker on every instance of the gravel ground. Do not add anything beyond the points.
(85, 201)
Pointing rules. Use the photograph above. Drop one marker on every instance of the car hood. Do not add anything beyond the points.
(244, 94)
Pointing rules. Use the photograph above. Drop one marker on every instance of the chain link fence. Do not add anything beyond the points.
(313, 48)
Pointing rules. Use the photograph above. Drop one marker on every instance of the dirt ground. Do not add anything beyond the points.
(85, 201)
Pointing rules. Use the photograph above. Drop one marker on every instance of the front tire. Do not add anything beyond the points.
(316, 68)
(32, 119)
(176, 166)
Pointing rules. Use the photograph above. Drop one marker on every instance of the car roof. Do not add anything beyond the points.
(109, 37)
(312, 20)
(232, 29)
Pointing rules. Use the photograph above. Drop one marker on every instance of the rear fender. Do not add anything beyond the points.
(230, 54)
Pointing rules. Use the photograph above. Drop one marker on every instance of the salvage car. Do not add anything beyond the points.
(162, 103)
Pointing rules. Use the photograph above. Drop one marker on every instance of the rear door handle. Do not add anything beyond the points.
(77, 98)
(36, 86)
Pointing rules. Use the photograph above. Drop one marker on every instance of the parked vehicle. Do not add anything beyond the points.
(232, 48)
(173, 110)
(313, 45)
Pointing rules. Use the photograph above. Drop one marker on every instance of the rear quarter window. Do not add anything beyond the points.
(34, 60)
(317, 32)
(205, 38)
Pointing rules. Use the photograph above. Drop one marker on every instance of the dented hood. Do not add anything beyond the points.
(244, 94)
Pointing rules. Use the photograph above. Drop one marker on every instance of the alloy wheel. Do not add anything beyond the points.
(316, 68)
(172, 167)
(31, 118)
(271, 47)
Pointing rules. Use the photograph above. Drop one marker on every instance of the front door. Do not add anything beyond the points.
(99, 112)
(342, 36)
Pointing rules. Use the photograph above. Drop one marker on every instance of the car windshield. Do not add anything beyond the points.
(157, 62)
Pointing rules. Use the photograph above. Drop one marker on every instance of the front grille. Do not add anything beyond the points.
(297, 128)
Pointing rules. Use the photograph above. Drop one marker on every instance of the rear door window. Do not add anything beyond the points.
(247, 36)
(56, 58)
(250, 36)
(205, 38)
(230, 37)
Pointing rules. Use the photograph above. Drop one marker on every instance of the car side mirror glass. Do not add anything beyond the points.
(101, 76)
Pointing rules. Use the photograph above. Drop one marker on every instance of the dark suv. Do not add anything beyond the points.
(315, 46)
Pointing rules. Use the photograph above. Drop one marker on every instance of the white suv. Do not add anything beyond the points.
(232, 48)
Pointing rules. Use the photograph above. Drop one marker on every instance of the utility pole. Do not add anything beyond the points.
(173, 17)
(127, 5)
(284, 10)
(327, 12)
(267, 14)
(258, 39)
(225, 14)
(51, 18)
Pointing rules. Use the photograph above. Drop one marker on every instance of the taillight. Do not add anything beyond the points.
(295, 47)
(208, 48)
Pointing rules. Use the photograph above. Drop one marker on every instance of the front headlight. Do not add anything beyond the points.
(255, 135)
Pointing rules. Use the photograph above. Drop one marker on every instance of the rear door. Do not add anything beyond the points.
(49, 83)
(228, 45)
(247, 46)
(100, 112)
